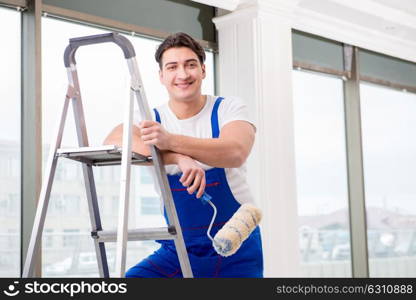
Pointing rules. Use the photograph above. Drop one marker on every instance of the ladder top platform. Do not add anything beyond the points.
(108, 155)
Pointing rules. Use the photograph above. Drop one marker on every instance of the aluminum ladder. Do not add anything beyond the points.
(102, 156)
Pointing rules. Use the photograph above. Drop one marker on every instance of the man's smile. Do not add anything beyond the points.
(183, 85)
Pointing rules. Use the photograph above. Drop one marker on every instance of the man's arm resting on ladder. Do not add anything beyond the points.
(115, 137)
(230, 150)
(193, 175)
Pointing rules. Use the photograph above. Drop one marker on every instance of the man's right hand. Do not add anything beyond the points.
(115, 137)
(193, 176)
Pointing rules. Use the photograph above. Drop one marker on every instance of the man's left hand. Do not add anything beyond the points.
(152, 133)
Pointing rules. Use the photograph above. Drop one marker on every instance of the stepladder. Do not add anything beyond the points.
(108, 155)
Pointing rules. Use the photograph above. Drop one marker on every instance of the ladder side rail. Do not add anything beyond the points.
(87, 171)
(162, 181)
(42, 206)
(125, 178)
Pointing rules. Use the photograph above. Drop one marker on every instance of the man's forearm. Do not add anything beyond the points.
(170, 158)
(213, 152)
(116, 138)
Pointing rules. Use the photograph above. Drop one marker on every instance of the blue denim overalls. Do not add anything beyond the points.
(195, 218)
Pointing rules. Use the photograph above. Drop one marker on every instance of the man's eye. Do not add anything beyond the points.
(171, 68)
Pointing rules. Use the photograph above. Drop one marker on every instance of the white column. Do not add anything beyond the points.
(255, 63)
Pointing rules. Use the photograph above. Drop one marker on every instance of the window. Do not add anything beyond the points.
(71, 171)
(9, 205)
(114, 205)
(389, 152)
(146, 177)
(48, 236)
(70, 237)
(321, 175)
(104, 81)
(55, 206)
(99, 175)
(150, 206)
(10, 54)
(71, 205)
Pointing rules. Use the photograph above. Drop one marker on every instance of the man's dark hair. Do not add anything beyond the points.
(177, 40)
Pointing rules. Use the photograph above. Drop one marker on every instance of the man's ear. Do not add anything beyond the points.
(203, 71)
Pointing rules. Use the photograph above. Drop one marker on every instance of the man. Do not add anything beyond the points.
(205, 141)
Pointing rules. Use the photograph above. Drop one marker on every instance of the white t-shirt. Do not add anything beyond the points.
(199, 126)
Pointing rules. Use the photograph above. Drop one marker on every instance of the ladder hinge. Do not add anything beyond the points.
(172, 230)
(94, 235)
(136, 87)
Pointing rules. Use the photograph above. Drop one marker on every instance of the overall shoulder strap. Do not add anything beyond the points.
(214, 118)
(157, 115)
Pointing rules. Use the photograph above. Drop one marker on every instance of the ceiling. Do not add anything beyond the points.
(404, 5)
(393, 17)
(386, 26)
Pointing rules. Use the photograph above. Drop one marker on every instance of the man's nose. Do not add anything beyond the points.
(182, 73)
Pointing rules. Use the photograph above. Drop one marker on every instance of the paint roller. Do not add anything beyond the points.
(232, 235)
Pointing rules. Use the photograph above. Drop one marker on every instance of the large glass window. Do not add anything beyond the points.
(389, 151)
(10, 54)
(321, 175)
(104, 81)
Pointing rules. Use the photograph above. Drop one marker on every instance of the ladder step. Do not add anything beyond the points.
(159, 233)
(108, 155)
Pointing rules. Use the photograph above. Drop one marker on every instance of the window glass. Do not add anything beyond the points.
(10, 54)
(321, 175)
(149, 206)
(389, 152)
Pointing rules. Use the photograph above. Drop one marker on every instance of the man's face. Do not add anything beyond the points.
(182, 74)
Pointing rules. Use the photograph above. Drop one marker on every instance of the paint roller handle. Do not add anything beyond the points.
(205, 198)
